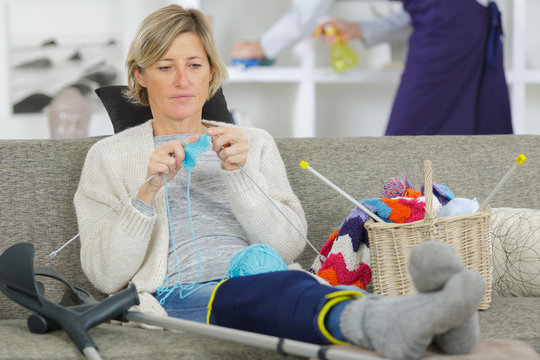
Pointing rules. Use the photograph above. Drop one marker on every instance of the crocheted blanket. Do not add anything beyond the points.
(347, 249)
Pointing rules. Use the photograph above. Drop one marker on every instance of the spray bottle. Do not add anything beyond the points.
(342, 55)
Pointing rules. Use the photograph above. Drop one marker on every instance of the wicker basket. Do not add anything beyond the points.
(391, 244)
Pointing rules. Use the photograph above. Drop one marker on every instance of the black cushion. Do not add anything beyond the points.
(124, 114)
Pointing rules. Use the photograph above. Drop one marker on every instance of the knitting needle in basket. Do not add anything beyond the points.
(305, 165)
(519, 161)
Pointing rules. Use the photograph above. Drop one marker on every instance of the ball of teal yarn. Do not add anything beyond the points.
(255, 259)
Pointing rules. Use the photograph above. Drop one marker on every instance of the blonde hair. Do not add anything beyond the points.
(154, 37)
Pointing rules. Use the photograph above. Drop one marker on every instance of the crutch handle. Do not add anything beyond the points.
(91, 314)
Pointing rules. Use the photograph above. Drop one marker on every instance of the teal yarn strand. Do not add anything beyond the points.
(195, 149)
(191, 152)
(255, 259)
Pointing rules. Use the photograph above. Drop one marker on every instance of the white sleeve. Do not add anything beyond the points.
(114, 248)
(262, 222)
(297, 23)
(395, 27)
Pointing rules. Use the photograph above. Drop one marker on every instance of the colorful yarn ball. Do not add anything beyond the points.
(396, 187)
(255, 259)
(459, 206)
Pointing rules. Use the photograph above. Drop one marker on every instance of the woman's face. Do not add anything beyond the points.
(178, 83)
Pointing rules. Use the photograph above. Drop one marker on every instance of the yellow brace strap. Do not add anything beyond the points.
(333, 299)
(211, 301)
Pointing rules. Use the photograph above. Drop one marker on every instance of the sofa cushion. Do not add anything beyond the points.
(512, 318)
(39, 180)
(123, 342)
(509, 318)
(515, 237)
(360, 166)
(492, 349)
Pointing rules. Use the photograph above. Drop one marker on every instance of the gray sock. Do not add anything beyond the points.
(461, 340)
(403, 327)
(431, 264)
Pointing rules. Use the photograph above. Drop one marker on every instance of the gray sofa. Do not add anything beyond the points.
(38, 179)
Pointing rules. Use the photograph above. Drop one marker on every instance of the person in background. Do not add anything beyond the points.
(176, 247)
(293, 26)
(453, 82)
(302, 19)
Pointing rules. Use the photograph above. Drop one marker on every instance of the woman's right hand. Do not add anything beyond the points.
(166, 160)
(346, 31)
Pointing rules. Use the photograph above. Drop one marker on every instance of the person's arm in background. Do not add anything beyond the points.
(297, 23)
(395, 27)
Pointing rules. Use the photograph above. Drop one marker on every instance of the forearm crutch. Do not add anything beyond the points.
(281, 345)
(17, 281)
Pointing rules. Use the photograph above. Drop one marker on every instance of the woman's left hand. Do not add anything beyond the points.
(230, 145)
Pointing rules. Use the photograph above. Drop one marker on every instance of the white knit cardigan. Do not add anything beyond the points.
(129, 247)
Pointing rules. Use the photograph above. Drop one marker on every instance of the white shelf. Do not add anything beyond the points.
(526, 77)
(532, 77)
(262, 74)
(356, 76)
(319, 76)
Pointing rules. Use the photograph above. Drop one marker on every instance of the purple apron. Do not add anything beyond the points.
(453, 82)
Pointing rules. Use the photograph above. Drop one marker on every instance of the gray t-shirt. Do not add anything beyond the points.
(218, 235)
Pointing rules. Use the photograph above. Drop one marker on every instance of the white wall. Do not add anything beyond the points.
(4, 65)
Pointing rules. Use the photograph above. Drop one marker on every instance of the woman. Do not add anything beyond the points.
(175, 258)
(176, 75)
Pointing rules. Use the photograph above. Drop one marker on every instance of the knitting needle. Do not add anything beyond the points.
(323, 258)
(53, 254)
(519, 161)
(305, 165)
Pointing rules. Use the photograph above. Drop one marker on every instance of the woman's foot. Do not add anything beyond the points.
(431, 264)
(403, 327)
(461, 340)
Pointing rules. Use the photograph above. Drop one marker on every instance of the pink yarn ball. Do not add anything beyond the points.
(395, 187)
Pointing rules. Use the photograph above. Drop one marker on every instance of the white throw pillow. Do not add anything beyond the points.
(515, 235)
